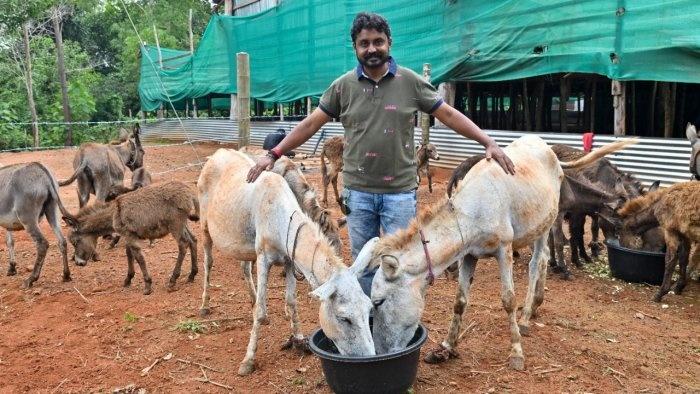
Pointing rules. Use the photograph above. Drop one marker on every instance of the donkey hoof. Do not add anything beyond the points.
(12, 272)
(566, 275)
(524, 329)
(658, 297)
(265, 321)
(678, 290)
(147, 291)
(66, 278)
(299, 344)
(517, 363)
(204, 312)
(246, 369)
(27, 283)
(439, 355)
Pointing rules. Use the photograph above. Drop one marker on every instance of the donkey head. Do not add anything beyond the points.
(694, 138)
(428, 151)
(83, 244)
(397, 297)
(344, 311)
(136, 151)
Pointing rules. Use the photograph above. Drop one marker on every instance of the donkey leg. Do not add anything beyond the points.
(430, 182)
(130, 267)
(447, 348)
(505, 263)
(42, 245)
(181, 252)
(595, 230)
(672, 244)
(559, 239)
(247, 365)
(12, 270)
(296, 341)
(83, 190)
(136, 251)
(192, 241)
(54, 221)
(537, 274)
(208, 262)
(247, 268)
(683, 255)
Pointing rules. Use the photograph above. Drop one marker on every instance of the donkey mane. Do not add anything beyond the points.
(404, 237)
(638, 204)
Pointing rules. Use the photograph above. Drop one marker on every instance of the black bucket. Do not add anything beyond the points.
(384, 373)
(634, 265)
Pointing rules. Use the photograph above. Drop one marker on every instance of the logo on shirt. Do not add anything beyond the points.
(390, 107)
(372, 154)
(388, 178)
(389, 131)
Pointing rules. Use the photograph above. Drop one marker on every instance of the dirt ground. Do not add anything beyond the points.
(593, 334)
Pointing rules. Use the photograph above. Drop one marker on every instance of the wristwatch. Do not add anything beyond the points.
(274, 153)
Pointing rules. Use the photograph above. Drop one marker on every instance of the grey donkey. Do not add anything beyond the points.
(28, 191)
(99, 167)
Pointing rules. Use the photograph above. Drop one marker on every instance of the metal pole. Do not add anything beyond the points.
(425, 118)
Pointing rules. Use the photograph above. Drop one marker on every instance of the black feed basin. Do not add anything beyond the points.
(384, 373)
(634, 265)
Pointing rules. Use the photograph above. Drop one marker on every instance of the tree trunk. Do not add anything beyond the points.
(593, 101)
(62, 75)
(668, 90)
(633, 101)
(30, 85)
(539, 106)
(471, 101)
(619, 106)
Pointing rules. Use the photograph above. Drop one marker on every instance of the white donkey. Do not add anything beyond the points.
(489, 214)
(262, 221)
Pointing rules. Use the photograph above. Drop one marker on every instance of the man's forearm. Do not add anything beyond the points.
(303, 131)
(456, 121)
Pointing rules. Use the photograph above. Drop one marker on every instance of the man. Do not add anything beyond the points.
(376, 103)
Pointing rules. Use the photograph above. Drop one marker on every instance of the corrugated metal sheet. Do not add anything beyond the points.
(255, 7)
(650, 160)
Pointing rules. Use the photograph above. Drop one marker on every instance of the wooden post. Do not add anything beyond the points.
(243, 83)
(308, 106)
(511, 106)
(526, 107)
(668, 94)
(652, 108)
(228, 10)
(67, 117)
(564, 87)
(471, 101)
(281, 110)
(425, 118)
(618, 93)
(194, 100)
(633, 88)
(160, 64)
(447, 91)
(30, 85)
(592, 111)
(539, 106)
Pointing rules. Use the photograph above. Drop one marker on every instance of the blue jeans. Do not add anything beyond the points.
(370, 212)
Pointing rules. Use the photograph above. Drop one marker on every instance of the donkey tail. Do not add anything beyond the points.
(72, 178)
(598, 153)
(53, 189)
(194, 216)
(324, 170)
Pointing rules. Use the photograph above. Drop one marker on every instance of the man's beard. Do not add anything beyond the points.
(374, 60)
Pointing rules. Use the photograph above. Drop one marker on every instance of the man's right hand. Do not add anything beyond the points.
(262, 163)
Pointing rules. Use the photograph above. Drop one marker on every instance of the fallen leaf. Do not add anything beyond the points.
(168, 356)
(612, 340)
(540, 325)
(301, 369)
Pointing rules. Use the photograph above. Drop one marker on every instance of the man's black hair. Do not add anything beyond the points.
(366, 20)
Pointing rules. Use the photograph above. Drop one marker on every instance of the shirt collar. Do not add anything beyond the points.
(391, 71)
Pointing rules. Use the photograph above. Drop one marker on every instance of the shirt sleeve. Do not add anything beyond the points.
(428, 97)
(330, 101)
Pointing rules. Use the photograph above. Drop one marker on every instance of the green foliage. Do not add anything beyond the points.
(130, 317)
(192, 326)
(101, 51)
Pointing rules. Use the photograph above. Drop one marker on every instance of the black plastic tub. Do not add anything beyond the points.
(634, 265)
(384, 373)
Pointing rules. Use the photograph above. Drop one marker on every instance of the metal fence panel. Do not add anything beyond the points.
(664, 159)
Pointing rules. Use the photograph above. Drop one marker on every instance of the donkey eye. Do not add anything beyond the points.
(346, 320)
(377, 303)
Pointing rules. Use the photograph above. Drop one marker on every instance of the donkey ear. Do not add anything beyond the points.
(71, 221)
(654, 186)
(364, 257)
(691, 133)
(390, 266)
(325, 291)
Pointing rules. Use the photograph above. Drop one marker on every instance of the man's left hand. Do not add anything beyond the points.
(494, 151)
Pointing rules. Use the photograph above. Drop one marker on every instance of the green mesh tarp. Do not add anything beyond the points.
(299, 47)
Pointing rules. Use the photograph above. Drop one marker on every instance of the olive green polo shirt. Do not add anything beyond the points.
(378, 118)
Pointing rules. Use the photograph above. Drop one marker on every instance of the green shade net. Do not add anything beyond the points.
(299, 47)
